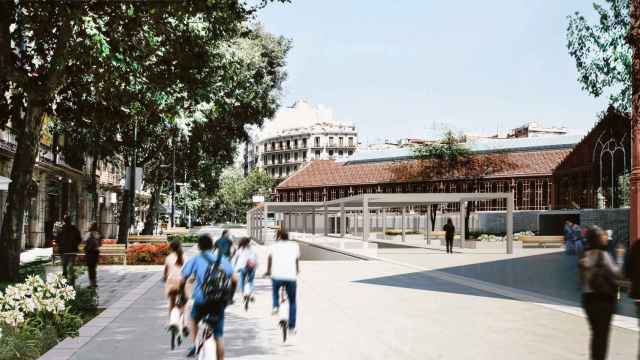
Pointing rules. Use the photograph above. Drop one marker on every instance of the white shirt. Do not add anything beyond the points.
(242, 256)
(283, 260)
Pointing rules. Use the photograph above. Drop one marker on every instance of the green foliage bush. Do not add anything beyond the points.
(183, 238)
(398, 232)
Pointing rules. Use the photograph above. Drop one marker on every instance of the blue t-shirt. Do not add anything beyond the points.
(224, 245)
(198, 266)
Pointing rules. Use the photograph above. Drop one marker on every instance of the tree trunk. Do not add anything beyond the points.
(467, 214)
(434, 214)
(124, 222)
(28, 138)
(95, 185)
(633, 38)
(152, 214)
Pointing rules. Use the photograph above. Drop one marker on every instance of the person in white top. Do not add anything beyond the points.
(172, 276)
(245, 262)
(284, 266)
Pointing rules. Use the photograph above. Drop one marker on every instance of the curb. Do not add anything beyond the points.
(69, 346)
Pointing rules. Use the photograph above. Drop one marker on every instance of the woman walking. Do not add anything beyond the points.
(172, 277)
(449, 231)
(245, 263)
(598, 275)
(92, 253)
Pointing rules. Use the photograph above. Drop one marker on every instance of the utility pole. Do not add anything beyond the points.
(633, 37)
(173, 180)
(132, 182)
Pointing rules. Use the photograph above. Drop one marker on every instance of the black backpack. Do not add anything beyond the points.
(602, 280)
(216, 287)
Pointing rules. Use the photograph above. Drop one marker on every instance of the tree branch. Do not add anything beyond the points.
(55, 73)
(8, 61)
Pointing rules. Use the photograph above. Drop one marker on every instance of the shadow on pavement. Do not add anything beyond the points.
(553, 275)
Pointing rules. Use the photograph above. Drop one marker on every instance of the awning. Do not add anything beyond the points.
(4, 183)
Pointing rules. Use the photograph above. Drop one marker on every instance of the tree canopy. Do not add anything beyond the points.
(601, 52)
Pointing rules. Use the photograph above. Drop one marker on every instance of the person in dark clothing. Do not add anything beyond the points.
(632, 272)
(70, 238)
(92, 253)
(224, 244)
(598, 275)
(449, 231)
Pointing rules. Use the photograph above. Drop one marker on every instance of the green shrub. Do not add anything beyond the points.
(397, 232)
(21, 343)
(183, 238)
(85, 304)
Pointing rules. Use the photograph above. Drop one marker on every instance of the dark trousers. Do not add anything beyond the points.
(68, 264)
(290, 288)
(638, 312)
(599, 309)
(92, 264)
(449, 245)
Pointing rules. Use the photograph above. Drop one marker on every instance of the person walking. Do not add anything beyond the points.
(449, 232)
(201, 267)
(70, 239)
(632, 272)
(224, 244)
(245, 262)
(172, 273)
(598, 275)
(92, 245)
(284, 266)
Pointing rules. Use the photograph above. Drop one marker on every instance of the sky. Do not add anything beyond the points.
(394, 68)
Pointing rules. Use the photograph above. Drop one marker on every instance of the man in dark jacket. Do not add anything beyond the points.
(632, 272)
(70, 238)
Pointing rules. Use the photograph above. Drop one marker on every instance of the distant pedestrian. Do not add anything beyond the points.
(172, 273)
(569, 237)
(70, 239)
(92, 245)
(284, 266)
(578, 239)
(449, 232)
(224, 244)
(598, 275)
(245, 262)
(632, 272)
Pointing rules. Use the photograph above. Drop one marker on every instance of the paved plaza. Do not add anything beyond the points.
(367, 310)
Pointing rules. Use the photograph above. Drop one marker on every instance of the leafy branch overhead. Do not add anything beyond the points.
(601, 52)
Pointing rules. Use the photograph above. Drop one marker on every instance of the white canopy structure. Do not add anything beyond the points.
(4, 183)
(365, 204)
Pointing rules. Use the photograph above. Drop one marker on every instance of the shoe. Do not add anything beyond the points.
(274, 311)
(192, 352)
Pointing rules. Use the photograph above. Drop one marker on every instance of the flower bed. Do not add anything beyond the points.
(147, 254)
(396, 232)
(37, 314)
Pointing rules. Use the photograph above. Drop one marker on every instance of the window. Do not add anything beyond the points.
(308, 196)
(304, 143)
(295, 143)
(316, 195)
(280, 145)
(287, 157)
(265, 147)
(279, 158)
(330, 140)
(295, 156)
(273, 159)
(317, 141)
(350, 141)
(280, 172)
(304, 156)
(273, 172)
(330, 153)
(340, 153)
(350, 153)
(273, 146)
(288, 144)
(317, 154)
(340, 141)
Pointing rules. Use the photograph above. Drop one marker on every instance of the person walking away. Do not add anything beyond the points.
(284, 266)
(224, 244)
(92, 253)
(449, 231)
(70, 239)
(598, 275)
(172, 273)
(208, 268)
(245, 262)
(569, 237)
(632, 272)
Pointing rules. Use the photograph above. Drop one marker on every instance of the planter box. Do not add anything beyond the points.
(473, 244)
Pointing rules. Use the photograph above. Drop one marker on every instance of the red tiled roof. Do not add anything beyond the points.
(321, 173)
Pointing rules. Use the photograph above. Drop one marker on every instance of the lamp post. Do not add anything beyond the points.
(132, 182)
(633, 37)
(173, 180)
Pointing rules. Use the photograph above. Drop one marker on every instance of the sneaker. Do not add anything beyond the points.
(274, 311)
(192, 352)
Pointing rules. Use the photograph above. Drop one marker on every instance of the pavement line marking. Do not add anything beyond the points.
(565, 306)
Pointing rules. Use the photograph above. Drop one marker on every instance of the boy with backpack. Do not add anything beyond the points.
(215, 283)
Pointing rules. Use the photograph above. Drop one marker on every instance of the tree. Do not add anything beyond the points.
(234, 198)
(601, 53)
(151, 50)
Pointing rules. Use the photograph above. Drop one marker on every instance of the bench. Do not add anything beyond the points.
(147, 238)
(111, 250)
(176, 231)
(543, 241)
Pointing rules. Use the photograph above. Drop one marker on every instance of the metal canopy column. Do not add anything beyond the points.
(313, 221)
(304, 222)
(384, 224)
(404, 215)
(365, 219)
(326, 219)
(510, 224)
(463, 235)
(343, 220)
